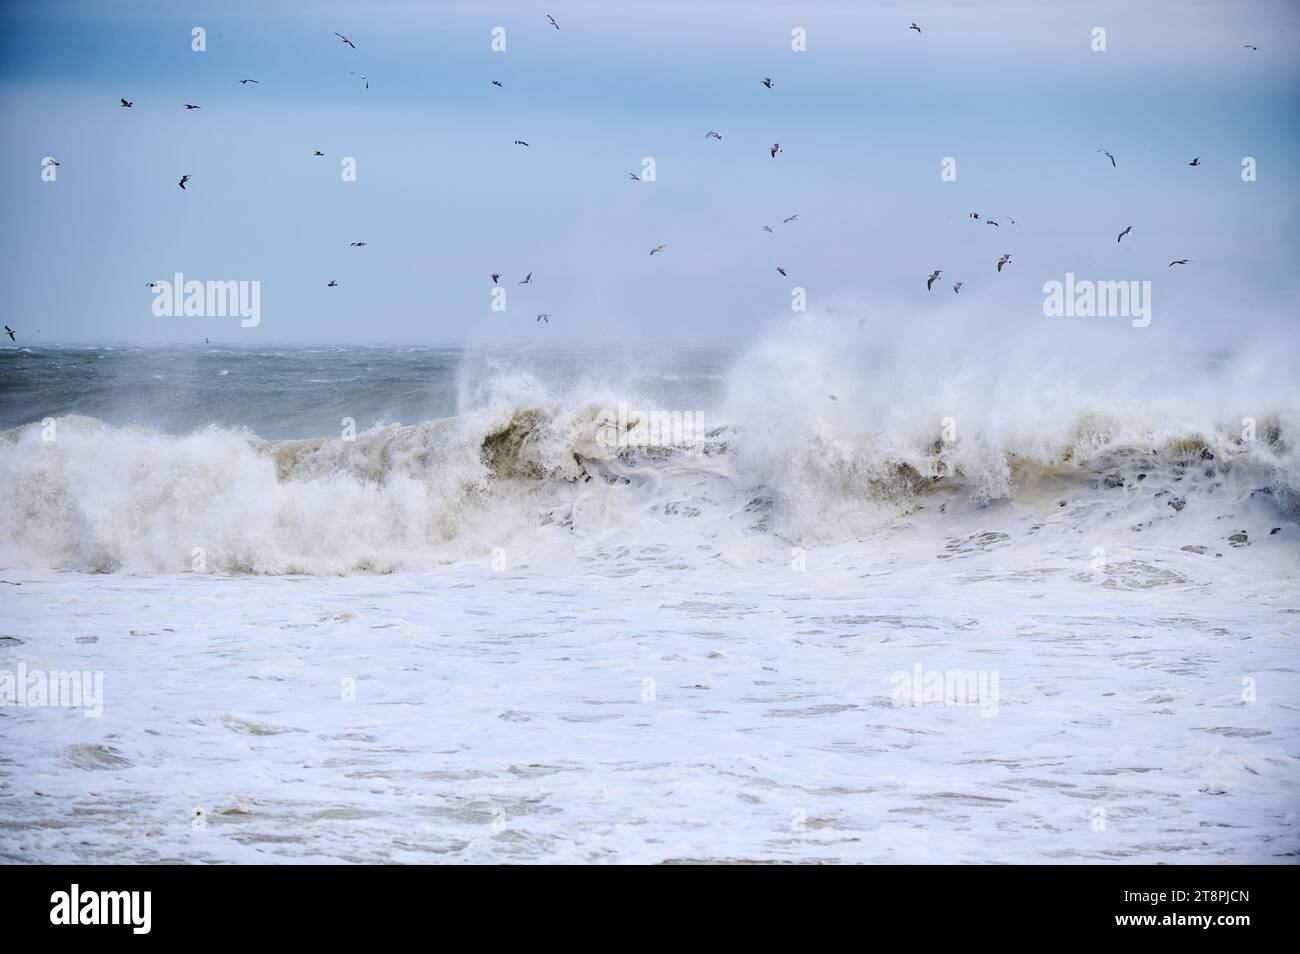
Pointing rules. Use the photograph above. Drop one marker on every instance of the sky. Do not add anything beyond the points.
(1010, 89)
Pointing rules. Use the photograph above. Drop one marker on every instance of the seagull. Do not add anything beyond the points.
(768, 228)
(332, 284)
(991, 222)
(1006, 257)
(127, 104)
(658, 248)
(184, 179)
(318, 153)
(552, 19)
(767, 81)
(956, 289)
(915, 27)
(245, 82)
(495, 276)
(50, 161)
(356, 245)
(1195, 162)
(776, 147)
(974, 215)
(10, 332)
(1107, 154)
(520, 142)
(1249, 47)
(1014, 222)
(497, 83)
(790, 219)
(363, 78)
(188, 106)
(545, 316)
(151, 284)
(346, 40)
(528, 279)
(713, 135)
(932, 279)
(1179, 261)
(634, 177)
(781, 269)
(1125, 232)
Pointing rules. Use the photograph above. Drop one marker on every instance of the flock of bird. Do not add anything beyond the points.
(774, 151)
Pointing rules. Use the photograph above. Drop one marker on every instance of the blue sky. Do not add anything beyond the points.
(1011, 90)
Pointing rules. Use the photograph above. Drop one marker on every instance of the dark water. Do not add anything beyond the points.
(306, 391)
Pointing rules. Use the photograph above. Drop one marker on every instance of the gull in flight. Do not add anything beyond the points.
(713, 135)
(932, 279)
(497, 83)
(363, 78)
(552, 19)
(1195, 162)
(546, 315)
(634, 177)
(776, 147)
(244, 82)
(991, 222)
(956, 289)
(790, 219)
(915, 27)
(974, 215)
(332, 284)
(658, 248)
(781, 269)
(50, 161)
(1249, 47)
(1107, 154)
(151, 285)
(127, 104)
(318, 153)
(346, 40)
(189, 106)
(768, 228)
(528, 279)
(184, 179)
(10, 332)
(1125, 232)
(767, 81)
(1006, 257)
(520, 142)
(356, 245)
(495, 276)
(1179, 261)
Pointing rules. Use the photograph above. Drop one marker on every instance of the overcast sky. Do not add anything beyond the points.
(1011, 90)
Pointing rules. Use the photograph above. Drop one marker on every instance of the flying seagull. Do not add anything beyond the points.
(781, 269)
(545, 316)
(634, 177)
(552, 19)
(974, 215)
(184, 179)
(768, 228)
(10, 332)
(495, 276)
(151, 284)
(1125, 232)
(127, 103)
(245, 82)
(528, 279)
(356, 245)
(1107, 154)
(189, 106)
(363, 78)
(1195, 162)
(658, 248)
(991, 222)
(790, 219)
(932, 279)
(956, 289)
(497, 83)
(1179, 261)
(50, 161)
(346, 40)
(767, 81)
(332, 284)
(776, 147)
(1006, 257)
(318, 153)
(713, 135)
(915, 27)
(1249, 47)
(520, 142)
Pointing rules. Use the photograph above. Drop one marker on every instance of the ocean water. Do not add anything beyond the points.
(891, 601)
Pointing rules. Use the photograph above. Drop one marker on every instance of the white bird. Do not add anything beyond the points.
(767, 81)
(545, 316)
(956, 289)
(932, 279)
(776, 147)
(1006, 257)
(713, 135)
(658, 248)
